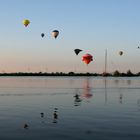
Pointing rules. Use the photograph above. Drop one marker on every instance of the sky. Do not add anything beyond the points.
(90, 25)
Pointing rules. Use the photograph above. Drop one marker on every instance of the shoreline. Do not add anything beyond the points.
(69, 74)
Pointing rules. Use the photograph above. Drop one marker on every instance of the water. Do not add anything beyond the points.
(103, 109)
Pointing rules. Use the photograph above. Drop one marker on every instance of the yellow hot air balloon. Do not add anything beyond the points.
(26, 22)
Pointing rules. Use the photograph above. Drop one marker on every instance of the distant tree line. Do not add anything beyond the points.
(114, 74)
(128, 73)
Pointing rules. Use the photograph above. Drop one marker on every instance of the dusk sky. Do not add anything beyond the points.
(90, 25)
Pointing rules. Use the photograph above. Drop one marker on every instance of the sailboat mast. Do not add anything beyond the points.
(105, 61)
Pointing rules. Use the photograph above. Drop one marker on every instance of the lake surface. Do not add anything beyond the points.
(73, 108)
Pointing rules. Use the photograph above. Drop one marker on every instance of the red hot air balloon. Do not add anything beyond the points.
(87, 58)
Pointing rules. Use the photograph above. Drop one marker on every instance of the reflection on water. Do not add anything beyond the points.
(77, 100)
(87, 93)
(26, 126)
(72, 108)
(55, 115)
(138, 101)
(42, 115)
(120, 98)
(105, 89)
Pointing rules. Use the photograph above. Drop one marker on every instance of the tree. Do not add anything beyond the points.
(129, 73)
(116, 73)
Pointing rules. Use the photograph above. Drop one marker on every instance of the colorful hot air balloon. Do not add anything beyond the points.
(87, 58)
(42, 35)
(26, 22)
(55, 33)
(121, 53)
(77, 51)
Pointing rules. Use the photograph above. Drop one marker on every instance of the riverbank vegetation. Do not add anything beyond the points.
(114, 74)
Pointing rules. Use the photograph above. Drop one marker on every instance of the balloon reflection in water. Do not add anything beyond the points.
(55, 115)
(87, 90)
(120, 98)
(77, 100)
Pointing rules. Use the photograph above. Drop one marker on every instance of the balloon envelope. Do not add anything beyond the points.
(42, 35)
(77, 51)
(87, 58)
(55, 33)
(26, 22)
(121, 53)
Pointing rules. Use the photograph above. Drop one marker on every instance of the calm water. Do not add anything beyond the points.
(105, 109)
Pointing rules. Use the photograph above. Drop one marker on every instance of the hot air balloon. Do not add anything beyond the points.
(26, 22)
(121, 53)
(77, 51)
(87, 58)
(55, 33)
(42, 35)
(138, 47)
